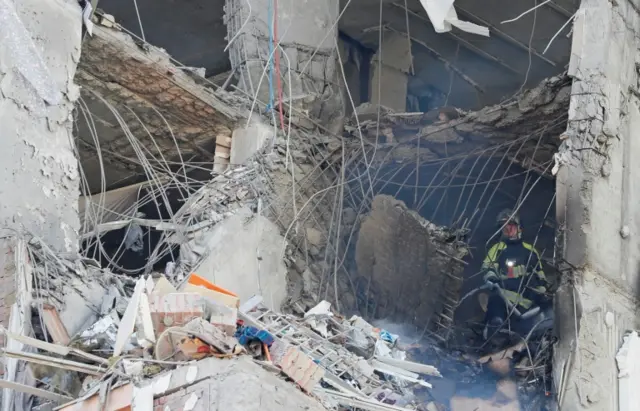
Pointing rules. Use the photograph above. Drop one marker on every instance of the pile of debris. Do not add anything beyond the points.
(98, 339)
(101, 341)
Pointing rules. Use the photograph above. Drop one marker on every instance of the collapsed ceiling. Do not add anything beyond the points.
(138, 100)
(494, 68)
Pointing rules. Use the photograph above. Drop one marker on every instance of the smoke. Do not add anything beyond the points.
(407, 333)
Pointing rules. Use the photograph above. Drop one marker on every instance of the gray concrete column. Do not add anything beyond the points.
(307, 34)
(39, 50)
(391, 65)
(598, 205)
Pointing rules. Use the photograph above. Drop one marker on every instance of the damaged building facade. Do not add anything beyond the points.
(312, 153)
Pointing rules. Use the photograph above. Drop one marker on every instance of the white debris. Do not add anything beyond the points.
(443, 16)
(628, 359)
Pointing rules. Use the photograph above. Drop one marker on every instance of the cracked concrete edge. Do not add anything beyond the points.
(595, 200)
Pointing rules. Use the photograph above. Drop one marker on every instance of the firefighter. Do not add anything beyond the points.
(516, 267)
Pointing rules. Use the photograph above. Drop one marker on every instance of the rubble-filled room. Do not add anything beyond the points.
(337, 204)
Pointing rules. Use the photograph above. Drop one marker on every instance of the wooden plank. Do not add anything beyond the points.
(55, 327)
(54, 348)
(34, 391)
(128, 321)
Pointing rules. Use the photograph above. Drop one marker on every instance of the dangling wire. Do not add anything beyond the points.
(271, 51)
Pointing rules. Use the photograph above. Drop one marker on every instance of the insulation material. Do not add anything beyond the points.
(443, 16)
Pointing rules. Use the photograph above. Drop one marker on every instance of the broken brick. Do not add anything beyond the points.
(296, 365)
(175, 309)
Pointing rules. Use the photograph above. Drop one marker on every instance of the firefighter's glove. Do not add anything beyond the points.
(491, 277)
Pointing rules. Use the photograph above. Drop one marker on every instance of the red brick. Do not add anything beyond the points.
(296, 365)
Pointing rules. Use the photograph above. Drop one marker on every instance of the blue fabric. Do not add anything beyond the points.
(246, 334)
(387, 336)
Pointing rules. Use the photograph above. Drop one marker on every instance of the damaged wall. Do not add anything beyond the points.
(244, 256)
(39, 50)
(403, 266)
(598, 202)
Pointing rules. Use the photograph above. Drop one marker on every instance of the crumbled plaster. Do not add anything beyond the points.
(605, 313)
(41, 181)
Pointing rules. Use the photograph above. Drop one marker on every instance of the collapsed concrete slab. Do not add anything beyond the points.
(136, 97)
(528, 128)
(408, 268)
(242, 253)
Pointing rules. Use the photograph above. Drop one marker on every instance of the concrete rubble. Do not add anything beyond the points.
(195, 335)
(252, 314)
(157, 342)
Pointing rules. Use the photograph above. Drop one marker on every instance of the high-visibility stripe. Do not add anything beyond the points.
(491, 260)
(517, 299)
(539, 272)
(541, 289)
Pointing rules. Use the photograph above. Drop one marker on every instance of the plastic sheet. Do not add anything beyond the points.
(443, 15)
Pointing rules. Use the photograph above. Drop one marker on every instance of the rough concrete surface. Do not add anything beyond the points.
(247, 141)
(597, 199)
(161, 106)
(236, 384)
(39, 169)
(402, 270)
(529, 128)
(245, 256)
(308, 55)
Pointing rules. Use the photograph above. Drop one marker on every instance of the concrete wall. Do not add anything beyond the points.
(245, 256)
(39, 50)
(391, 65)
(597, 203)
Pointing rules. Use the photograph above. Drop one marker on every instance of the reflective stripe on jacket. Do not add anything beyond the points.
(519, 268)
